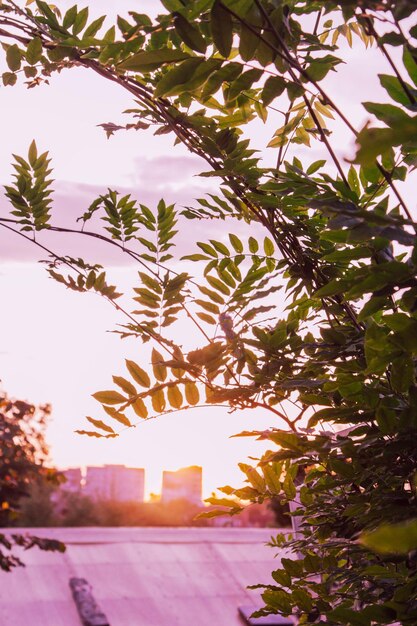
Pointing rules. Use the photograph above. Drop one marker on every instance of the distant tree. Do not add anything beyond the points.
(76, 509)
(337, 369)
(37, 509)
(23, 453)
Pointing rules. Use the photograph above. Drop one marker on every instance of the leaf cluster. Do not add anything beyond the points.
(337, 368)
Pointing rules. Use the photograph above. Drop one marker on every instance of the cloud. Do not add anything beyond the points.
(169, 171)
(169, 177)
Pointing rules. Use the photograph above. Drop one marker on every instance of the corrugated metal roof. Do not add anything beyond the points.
(141, 576)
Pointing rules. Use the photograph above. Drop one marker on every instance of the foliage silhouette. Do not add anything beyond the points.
(336, 370)
(23, 453)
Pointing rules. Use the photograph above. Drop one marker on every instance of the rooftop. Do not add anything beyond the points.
(142, 576)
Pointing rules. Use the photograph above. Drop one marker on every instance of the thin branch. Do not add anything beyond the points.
(317, 24)
(314, 117)
(372, 31)
(159, 339)
(275, 411)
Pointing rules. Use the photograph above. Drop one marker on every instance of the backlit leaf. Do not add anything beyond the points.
(139, 408)
(34, 51)
(189, 34)
(175, 398)
(138, 374)
(149, 60)
(158, 401)
(100, 424)
(125, 385)
(159, 370)
(221, 28)
(192, 395)
(109, 397)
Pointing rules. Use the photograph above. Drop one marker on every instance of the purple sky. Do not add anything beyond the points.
(53, 343)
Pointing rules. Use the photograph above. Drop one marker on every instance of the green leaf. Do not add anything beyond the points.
(289, 487)
(372, 306)
(149, 60)
(392, 538)
(221, 29)
(402, 373)
(230, 504)
(321, 66)
(34, 51)
(220, 247)
(387, 113)
(212, 513)
(348, 254)
(48, 13)
(9, 79)
(194, 257)
(373, 142)
(80, 21)
(189, 34)
(13, 58)
(410, 64)
(274, 87)
(92, 30)
(395, 89)
(109, 397)
(269, 248)
(138, 374)
(236, 243)
(315, 166)
(172, 81)
(294, 90)
(253, 245)
(272, 475)
(33, 153)
(69, 17)
(218, 284)
(248, 40)
(207, 249)
(302, 599)
(278, 599)
(244, 82)
(282, 577)
(344, 615)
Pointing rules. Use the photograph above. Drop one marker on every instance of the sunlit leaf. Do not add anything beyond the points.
(109, 397)
(138, 374)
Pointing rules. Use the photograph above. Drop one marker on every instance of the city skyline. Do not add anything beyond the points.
(121, 483)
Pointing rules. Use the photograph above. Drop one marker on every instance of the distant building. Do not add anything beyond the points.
(115, 482)
(72, 480)
(71, 485)
(184, 484)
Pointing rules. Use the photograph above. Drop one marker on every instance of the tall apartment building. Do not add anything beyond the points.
(185, 484)
(115, 482)
(73, 480)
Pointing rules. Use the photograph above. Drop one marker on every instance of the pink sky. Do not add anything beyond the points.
(53, 343)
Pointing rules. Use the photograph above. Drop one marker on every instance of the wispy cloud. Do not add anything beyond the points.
(173, 178)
